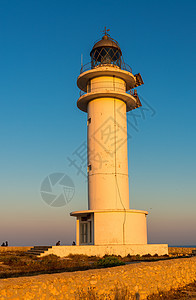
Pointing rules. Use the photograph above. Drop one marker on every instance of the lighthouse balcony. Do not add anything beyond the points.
(108, 86)
(113, 72)
(90, 66)
(131, 101)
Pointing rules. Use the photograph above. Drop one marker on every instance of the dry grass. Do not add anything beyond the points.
(185, 293)
(118, 293)
(18, 263)
(14, 264)
(123, 293)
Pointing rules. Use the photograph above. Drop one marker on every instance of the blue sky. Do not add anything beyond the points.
(40, 124)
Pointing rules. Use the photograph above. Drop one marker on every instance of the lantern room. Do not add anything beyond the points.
(106, 52)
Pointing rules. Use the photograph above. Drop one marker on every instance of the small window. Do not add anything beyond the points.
(88, 121)
(89, 168)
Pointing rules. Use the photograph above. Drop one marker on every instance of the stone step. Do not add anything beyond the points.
(34, 253)
(42, 247)
(37, 250)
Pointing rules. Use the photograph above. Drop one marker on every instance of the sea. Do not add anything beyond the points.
(184, 246)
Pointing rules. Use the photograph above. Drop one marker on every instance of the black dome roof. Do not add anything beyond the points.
(106, 41)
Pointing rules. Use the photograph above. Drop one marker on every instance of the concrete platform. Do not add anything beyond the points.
(13, 248)
(102, 250)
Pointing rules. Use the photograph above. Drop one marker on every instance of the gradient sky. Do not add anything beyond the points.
(40, 124)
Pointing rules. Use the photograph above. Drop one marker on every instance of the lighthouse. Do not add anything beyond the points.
(107, 93)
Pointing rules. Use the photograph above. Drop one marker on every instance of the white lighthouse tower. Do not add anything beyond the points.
(107, 95)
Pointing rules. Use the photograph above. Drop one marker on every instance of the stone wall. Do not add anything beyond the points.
(7, 249)
(143, 278)
(180, 250)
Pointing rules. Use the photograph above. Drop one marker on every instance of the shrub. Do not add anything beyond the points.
(129, 257)
(50, 257)
(147, 255)
(12, 261)
(109, 261)
(78, 257)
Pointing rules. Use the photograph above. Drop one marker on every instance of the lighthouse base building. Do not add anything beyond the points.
(111, 227)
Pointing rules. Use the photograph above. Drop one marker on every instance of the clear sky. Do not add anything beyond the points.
(41, 126)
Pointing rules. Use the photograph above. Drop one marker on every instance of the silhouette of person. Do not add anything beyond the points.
(6, 243)
(58, 243)
(3, 245)
(73, 244)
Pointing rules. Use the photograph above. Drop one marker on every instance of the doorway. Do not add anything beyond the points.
(85, 232)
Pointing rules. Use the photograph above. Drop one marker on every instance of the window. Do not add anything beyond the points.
(90, 235)
(84, 233)
(88, 121)
(89, 168)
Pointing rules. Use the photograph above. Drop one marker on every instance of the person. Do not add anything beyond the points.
(73, 244)
(3, 245)
(6, 243)
(58, 243)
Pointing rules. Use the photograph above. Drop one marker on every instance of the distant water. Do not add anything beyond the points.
(184, 246)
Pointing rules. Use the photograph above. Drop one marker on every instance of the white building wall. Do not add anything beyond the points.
(123, 227)
(107, 154)
(136, 228)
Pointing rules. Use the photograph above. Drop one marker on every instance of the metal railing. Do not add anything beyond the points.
(110, 88)
(130, 92)
(88, 67)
